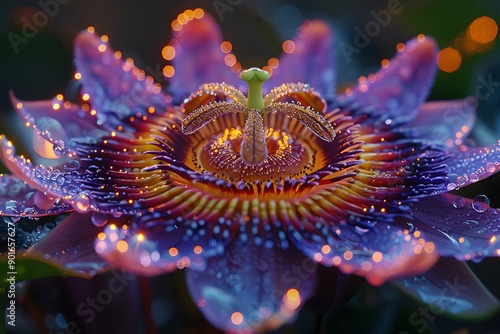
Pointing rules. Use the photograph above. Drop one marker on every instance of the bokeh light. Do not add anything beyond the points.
(449, 60)
(288, 46)
(168, 52)
(483, 30)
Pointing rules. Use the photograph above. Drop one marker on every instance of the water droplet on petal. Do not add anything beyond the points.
(473, 177)
(361, 230)
(481, 203)
(451, 186)
(29, 211)
(490, 167)
(81, 203)
(411, 227)
(459, 202)
(117, 214)
(72, 165)
(482, 231)
(477, 259)
(11, 207)
(50, 128)
(59, 148)
(408, 169)
(99, 219)
(469, 224)
(43, 201)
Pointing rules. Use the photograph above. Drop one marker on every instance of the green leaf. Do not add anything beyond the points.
(30, 266)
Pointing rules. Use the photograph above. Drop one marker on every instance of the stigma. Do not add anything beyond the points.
(254, 147)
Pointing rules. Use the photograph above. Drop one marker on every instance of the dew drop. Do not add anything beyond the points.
(490, 167)
(459, 202)
(361, 230)
(59, 148)
(29, 211)
(481, 203)
(469, 224)
(477, 259)
(482, 231)
(473, 177)
(451, 186)
(72, 165)
(60, 180)
(52, 129)
(99, 219)
(81, 203)
(11, 207)
(411, 227)
(408, 169)
(117, 214)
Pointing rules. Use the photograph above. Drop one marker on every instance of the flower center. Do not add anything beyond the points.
(286, 156)
(257, 138)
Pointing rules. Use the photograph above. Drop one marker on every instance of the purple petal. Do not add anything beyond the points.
(116, 88)
(252, 288)
(312, 60)
(158, 246)
(71, 244)
(451, 287)
(459, 227)
(448, 122)
(56, 125)
(19, 199)
(198, 57)
(48, 180)
(469, 165)
(379, 253)
(395, 93)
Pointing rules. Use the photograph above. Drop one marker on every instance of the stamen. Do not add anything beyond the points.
(207, 113)
(307, 116)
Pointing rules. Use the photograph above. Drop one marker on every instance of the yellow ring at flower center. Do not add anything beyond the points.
(287, 157)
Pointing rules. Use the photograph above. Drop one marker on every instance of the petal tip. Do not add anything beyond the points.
(422, 47)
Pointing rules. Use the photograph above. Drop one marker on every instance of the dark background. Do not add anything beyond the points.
(43, 67)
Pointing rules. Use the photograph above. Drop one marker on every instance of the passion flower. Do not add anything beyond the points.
(242, 184)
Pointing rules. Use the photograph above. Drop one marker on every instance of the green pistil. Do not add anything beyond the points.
(255, 78)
